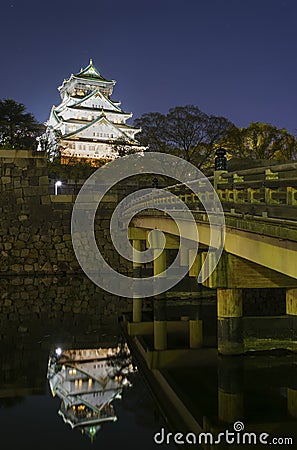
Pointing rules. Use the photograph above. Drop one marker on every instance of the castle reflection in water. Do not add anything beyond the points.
(87, 381)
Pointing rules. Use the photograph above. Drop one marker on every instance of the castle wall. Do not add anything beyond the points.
(39, 272)
(35, 233)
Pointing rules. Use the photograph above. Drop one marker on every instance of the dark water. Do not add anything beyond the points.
(38, 316)
(260, 391)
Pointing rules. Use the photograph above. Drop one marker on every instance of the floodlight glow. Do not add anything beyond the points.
(57, 184)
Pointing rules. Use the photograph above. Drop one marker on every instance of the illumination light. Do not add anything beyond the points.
(57, 184)
(58, 351)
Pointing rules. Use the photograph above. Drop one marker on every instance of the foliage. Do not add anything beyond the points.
(261, 141)
(153, 135)
(50, 142)
(18, 129)
(122, 147)
(185, 131)
(189, 133)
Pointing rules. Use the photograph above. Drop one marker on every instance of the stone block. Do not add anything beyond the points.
(24, 237)
(33, 180)
(5, 180)
(17, 268)
(33, 253)
(19, 244)
(23, 217)
(43, 180)
(18, 192)
(45, 200)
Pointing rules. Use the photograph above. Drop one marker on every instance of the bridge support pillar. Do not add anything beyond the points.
(160, 324)
(137, 309)
(184, 257)
(230, 390)
(230, 326)
(291, 310)
(160, 263)
(137, 302)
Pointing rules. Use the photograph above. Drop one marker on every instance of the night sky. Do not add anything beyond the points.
(235, 58)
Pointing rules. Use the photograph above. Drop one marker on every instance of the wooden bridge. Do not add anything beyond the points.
(259, 240)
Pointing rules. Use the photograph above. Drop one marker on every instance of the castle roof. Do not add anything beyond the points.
(90, 72)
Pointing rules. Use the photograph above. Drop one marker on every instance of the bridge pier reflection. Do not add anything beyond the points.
(230, 389)
(195, 333)
(137, 302)
(160, 324)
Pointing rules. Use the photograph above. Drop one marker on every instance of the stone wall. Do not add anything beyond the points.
(35, 226)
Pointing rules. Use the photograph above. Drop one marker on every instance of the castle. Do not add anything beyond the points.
(87, 123)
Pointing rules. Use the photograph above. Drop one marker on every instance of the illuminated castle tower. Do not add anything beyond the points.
(89, 124)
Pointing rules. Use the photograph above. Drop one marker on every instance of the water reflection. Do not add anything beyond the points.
(87, 381)
(38, 315)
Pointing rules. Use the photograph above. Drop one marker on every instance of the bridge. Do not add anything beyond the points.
(259, 249)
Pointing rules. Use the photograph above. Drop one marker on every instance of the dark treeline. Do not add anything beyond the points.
(185, 131)
(188, 132)
(18, 128)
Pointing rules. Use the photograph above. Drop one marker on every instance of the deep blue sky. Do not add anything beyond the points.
(235, 58)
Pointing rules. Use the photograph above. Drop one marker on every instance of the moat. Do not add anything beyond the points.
(43, 315)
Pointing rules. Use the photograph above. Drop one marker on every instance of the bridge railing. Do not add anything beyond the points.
(273, 185)
(269, 191)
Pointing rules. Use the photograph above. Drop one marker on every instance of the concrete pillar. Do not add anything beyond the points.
(230, 389)
(160, 324)
(230, 327)
(194, 270)
(136, 243)
(291, 310)
(137, 302)
(137, 309)
(184, 257)
(159, 262)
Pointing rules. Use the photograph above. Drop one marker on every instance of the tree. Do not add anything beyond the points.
(18, 129)
(122, 147)
(50, 142)
(152, 135)
(261, 141)
(185, 131)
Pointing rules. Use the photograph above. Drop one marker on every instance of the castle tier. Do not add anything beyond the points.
(89, 124)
